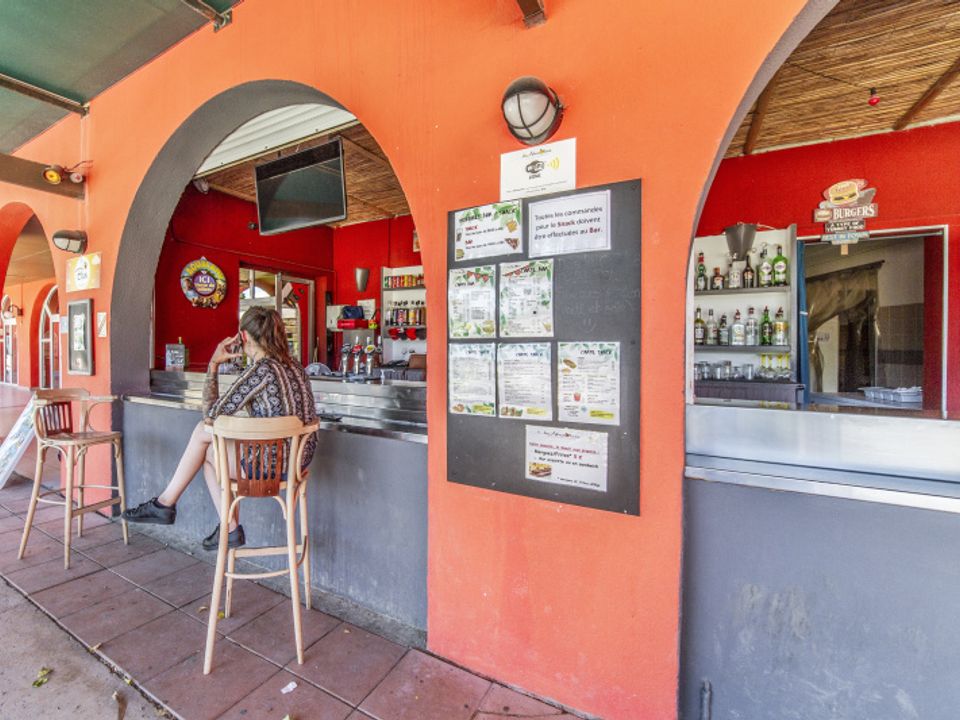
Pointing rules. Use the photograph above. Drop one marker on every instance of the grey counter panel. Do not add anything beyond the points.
(804, 606)
(367, 506)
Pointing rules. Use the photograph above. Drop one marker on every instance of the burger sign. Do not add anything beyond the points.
(844, 211)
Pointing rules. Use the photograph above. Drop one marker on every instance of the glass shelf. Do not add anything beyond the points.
(743, 291)
(759, 349)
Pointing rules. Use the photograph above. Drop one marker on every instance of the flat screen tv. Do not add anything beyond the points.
(302, 190)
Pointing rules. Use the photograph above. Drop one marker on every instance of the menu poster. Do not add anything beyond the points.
(589, 382)
(526, 299)
(570, 224)
(524, 385)
(472, 302)
(565, 456)
(487, 231)
(473, 384)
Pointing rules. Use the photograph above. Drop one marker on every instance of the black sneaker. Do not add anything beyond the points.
(151, 512)
(235, 538)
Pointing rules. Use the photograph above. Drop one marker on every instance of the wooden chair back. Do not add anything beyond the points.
(54, 411)
(263, 448)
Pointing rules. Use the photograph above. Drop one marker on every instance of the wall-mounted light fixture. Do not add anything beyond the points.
(12, 311)
(532, 110)
(362, 275)
(72, 241)
(55, 174)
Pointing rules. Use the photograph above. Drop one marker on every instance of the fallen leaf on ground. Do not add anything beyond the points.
(43, 675)
(202, 608)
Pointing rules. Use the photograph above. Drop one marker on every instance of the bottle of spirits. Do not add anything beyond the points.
(734, 276)
(765, 278)
(780, 329)
(699, 329)
(723, 332)
(701, 281)
(716, 282)
(713, 332)
(738, 331)
(766, 328)
(752, 329)
(780, 268)
(749, 277)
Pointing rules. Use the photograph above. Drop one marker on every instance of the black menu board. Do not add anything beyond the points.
(548, 403)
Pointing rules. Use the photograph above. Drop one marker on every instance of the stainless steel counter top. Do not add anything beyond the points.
(394, 409)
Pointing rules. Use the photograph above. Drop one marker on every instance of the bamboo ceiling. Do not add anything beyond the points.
(900, 47)
(373, 191)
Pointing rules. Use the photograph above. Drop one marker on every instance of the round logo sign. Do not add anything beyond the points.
(203, 283)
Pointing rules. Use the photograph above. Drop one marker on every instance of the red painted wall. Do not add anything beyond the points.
(917, 185)
(373, 245)
(29, 297)
(215, 226)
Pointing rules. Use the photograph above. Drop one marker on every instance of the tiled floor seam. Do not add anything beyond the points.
(103, 659)
(374, 688)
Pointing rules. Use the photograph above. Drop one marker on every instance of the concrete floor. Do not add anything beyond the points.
(80, 686)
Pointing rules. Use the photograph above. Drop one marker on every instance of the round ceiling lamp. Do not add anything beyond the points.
(532, 110)
(53, 174)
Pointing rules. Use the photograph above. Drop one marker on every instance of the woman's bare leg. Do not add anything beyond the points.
(213, 485)
(192, 459)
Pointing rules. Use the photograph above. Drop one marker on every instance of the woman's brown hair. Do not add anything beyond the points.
(266, 327)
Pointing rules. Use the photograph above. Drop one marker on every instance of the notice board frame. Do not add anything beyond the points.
(596, 298)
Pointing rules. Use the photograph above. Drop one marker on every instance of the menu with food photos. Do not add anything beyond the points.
(488, 230)
(472, 302)
(588, 386)
(526, 299)
(524, 386)
(473, 383)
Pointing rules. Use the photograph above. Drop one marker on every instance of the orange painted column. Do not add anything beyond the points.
(573, 604)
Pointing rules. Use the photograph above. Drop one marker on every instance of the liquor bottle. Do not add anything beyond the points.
(765, 278)
(766, 328)
(713, 334)
(701, 281)
(738, 331)
(752, 329)
(734, 276)
(716, 282)
(780, 329)
(699, 329)
(749, 277)
(723, 332)
(780, 268)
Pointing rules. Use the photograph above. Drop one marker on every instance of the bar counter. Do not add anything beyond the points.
(367, 495)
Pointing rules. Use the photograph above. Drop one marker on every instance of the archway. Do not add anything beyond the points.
(154, 204)
(48, 334)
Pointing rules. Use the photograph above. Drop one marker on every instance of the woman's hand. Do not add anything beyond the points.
(224, 350)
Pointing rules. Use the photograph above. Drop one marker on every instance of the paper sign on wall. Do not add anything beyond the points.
(525, 389)
(83, 272)
(566, 456)
(473, 383)
(487, 231)
(588, 387)
(576, 223)
(539, 170)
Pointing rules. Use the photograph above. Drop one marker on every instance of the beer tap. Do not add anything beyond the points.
(356, 352)
(344, 359)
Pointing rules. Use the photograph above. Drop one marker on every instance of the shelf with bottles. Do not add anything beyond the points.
(752, 349)
(744, 291)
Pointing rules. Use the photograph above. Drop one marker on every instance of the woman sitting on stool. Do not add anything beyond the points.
(273, 386)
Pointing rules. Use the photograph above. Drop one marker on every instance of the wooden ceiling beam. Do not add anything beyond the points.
(939, 85)
(759, 114)
(533, 12)
(371, 156)
(8, 82)
(29, 174)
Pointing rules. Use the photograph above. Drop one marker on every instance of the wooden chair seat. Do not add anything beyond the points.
(53, 412)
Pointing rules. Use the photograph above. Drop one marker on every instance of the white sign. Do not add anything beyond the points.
(539, 170)
(525, 390)
(101, 324)
(565, 456)
(571, 224)
(15, 444)
(473, 382)
(472, 302)
(589, 382)
(526, 299)
(487, 231)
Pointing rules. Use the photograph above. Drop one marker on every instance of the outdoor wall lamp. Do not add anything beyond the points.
(532, 110)
(12, 312)
(72, 241)
(54, 174)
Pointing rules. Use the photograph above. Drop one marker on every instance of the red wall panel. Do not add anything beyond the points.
(917, 184)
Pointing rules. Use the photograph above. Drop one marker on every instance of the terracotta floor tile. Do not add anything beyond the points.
(100, 535)
(236, 673)
(149, 567)
(17, 503)
(51, 573)
(158, 645)
(46, 514)
(348, 662)
(114, 616)
(40, 549)
(500, 701)
(115, 553)
(183, 586)
(11, 522)
(422, 687)
(77, 594)
(271, 634)
(10, 538)
(304, 701)
(250, 601)
(357, 715)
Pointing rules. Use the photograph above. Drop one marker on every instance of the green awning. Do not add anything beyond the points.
(77, 49)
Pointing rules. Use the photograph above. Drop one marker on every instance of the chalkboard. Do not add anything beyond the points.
(596, 298)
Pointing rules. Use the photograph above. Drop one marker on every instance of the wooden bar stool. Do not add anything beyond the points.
(53, 427)
(265, 456)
